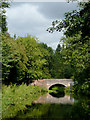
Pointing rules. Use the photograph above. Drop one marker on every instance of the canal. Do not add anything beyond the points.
(50, 107)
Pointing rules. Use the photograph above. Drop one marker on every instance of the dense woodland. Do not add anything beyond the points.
(25, 59)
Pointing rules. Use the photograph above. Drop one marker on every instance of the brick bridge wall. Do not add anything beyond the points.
(49, 82)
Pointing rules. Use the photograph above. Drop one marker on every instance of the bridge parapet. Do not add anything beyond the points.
(49, 82)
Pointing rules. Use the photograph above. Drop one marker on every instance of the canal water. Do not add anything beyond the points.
(65, 107)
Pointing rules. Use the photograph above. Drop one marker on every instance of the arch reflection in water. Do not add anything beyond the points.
(50, 99)
(57, 90)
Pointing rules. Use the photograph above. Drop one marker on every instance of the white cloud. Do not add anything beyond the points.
(45, 0)
(26, 18)
(32, 18)
(25, 15)
(51, 40)
(39, 0)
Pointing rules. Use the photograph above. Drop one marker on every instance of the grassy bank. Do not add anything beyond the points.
(17, 98)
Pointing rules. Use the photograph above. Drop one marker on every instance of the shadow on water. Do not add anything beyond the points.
(57, 95)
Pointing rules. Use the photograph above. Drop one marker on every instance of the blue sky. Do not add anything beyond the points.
(35, 17)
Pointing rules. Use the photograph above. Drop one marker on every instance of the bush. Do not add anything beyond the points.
(16, 98)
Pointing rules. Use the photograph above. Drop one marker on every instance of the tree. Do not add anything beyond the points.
(74, 22)
(3, 23)
(76, 41)
(24, 60)
(59, 68)
(37, 64)
(13, 60)
(49, 56)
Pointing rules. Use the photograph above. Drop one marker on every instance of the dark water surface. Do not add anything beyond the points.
(48, 107)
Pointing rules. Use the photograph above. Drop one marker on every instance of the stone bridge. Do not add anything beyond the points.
(49, 82)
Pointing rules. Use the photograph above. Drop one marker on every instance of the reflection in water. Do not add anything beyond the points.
(51, 108)
(57, 94)
(50, 99)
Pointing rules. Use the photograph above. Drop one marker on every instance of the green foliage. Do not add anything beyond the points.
(48, 56)
(76, 44)
(77, 55)
(3, 23)
(17, 103)
(24, 59)
(85, 87)
(17, 98)
(37, 64)
(67, 90)
(76, 51)
(59, 68)
(13, 60)
(74, 22)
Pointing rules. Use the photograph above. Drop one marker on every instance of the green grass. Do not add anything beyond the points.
(16, 98)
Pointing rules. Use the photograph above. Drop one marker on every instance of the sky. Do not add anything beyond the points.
(35, 17)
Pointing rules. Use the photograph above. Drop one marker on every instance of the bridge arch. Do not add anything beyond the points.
(57, 85)
(57, 90)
